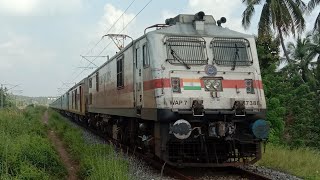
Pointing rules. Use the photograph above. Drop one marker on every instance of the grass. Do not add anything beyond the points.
(25, 151)
(302, 162)
(97, 161)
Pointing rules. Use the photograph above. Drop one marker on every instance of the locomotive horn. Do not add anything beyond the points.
(221, 21)
(199, 16)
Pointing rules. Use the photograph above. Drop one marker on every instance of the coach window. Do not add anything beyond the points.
(145, 57)
(97, 81)
(120, 77)
(72, 99)
(136, 60)
(90, 83)
(90, 98)
(76, 98)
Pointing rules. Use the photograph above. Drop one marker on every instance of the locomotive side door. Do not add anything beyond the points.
(138, 79)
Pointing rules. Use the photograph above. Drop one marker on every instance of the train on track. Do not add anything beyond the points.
(189, 93)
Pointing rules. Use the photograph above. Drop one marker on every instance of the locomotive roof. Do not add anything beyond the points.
(187, 29)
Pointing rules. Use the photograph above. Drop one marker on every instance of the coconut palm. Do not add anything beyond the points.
(311, 5)
(282, 16)
(314, 48)
(314, 45)
(300, 59)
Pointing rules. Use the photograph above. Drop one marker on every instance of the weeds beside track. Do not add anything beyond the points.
(97, 161)
(302, 162)
(25, 151)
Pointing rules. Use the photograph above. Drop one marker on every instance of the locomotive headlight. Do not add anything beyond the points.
(181, 129)
(249, 86)
(213, 84)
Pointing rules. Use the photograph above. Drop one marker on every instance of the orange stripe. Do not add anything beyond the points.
(166, 83)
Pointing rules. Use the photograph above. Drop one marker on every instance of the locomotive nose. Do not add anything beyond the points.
(260, 129)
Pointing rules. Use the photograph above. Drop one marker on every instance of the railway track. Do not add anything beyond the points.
(177, 173)
(213, 173)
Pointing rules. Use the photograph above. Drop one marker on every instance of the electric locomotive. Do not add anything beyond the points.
(190, 93)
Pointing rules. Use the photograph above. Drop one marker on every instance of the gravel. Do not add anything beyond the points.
(139, 170)
(273, 174)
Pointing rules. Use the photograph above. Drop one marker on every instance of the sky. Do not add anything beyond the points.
(41, 41)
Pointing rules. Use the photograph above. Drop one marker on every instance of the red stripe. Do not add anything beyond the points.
(202, 83)
(156, 83)
(257, 84)
(233, 84)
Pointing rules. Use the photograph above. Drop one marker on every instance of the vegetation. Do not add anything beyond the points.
(97, 161)
(293, 91)
(25, 151)
(291, 84)
(302, 162)
(10, 100)
(285, 17)
(25, 100)
(4, 96)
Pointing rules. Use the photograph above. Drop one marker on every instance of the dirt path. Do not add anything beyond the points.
(71, 166)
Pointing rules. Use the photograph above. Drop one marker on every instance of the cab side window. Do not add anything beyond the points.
(145, 57)
(97, 81)
(90, 83)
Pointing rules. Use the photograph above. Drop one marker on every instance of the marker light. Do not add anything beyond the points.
(175, 84)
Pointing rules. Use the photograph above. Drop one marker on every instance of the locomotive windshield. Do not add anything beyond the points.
(186, 51)
(231, 52)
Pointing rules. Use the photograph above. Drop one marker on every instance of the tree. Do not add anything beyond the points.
(314, 48)
(311, 5)
(300, 57)
(283, 16)
(268, 51)
(3, 97)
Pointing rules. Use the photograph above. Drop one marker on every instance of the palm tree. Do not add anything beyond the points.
(283, 16)
(314, 45)
(311, 5)
(300, 59)
(314, 48)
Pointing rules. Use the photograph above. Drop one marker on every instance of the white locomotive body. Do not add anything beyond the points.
(191, 93)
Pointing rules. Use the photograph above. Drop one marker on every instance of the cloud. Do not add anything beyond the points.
(24, 61)
(111, 14)
(105, 25)
(38, 7)
(22, 49)
(232, 10)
